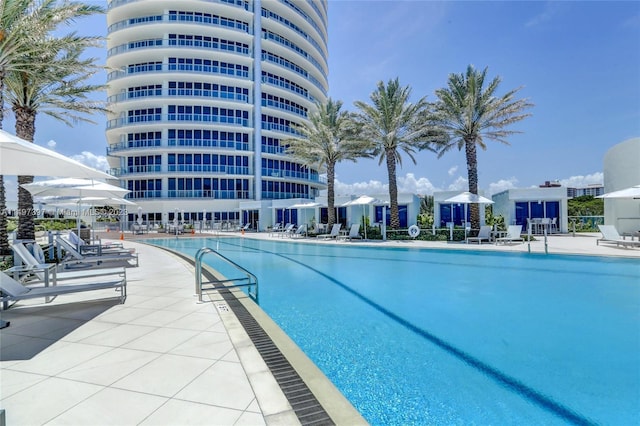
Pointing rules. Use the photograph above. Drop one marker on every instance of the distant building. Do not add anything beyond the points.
(202, 94)
(593, 190)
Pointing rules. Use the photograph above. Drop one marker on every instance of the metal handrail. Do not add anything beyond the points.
(251, 280)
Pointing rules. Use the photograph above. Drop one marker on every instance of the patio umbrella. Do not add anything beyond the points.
(72, 187)
(21, 157)
(467, 198)
(632, 192)
(61, 201)
(363, 200)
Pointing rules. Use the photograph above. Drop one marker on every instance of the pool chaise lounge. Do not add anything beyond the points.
(74, 256)
(354, 233)
(483, 235)
(610, 235)
(13, 291)
(38, 270)
(513, 235)
(335, 231)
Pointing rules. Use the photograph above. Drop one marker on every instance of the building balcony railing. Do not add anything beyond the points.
(208, 168)
(183, 168)
(286, 174)
(156, 43)
(195, 143)
(178, 18)
(284, 107)
(129, 170)
(288, 87)
(172, 118)
(197, 93)
(239, 3)
(144, 194)
(280, 128)
(203, 193)
(183, 68)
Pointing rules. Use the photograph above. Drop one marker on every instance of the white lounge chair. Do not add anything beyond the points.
(513, 234)
(300, 232)
(483, 235)
(74, 256)
(354, 233)
(13, 291)
(610, 235)
(99, 248)
(287, 231)
(335, 231)
(33, 262)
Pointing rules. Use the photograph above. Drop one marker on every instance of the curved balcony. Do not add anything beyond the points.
(191, 93)
(155, 43)
(173, 118)
(155, 68)
(290, 174)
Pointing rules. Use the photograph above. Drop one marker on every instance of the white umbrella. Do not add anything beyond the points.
(71, 187)
(363, 200)
(467, 198)
(21, 157)
(632, 192)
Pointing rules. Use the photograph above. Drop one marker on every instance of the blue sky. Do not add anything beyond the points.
(578, 62)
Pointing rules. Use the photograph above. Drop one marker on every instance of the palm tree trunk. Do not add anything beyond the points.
(331, 176)
(25, 129)
(393, 189)
(472, 174)
(4, 237)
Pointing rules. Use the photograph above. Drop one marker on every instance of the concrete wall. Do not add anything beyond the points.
(622, 170)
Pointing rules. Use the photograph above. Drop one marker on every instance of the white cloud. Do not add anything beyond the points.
(408, 183)
(460, 184)
(452, 171)
(90, 159)
(52, 144)
(583, 181)
(502, 185)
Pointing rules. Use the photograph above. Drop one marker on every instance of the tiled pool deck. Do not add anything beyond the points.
(163, 359)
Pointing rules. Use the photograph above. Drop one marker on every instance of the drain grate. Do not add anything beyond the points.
(304, 403)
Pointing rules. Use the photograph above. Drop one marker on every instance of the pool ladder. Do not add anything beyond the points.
(248, 280)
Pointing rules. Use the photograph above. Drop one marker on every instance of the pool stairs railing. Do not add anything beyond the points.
(546, 246)
(248, 280)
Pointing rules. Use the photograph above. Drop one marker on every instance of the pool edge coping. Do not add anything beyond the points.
(276, 408)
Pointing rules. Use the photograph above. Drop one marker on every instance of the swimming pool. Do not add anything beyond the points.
(429, 336)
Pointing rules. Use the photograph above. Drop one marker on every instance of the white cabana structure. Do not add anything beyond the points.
(518, 205)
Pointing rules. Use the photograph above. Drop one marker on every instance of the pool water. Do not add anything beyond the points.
(424, 336)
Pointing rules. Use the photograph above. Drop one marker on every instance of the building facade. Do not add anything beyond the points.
(203, 93)
(622, 170)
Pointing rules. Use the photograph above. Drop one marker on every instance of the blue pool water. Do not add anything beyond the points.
(420, 337)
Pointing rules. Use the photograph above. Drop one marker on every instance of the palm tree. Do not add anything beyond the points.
(23, 24)
(56, 87)
(469, 113)
(394, 125)
(330, 136)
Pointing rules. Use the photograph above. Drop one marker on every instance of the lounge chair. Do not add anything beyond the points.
(513, 234)
(300, 232)
(335, 230)
(354, 233)
(13, 291)
(610, 235)
(99, 248)
(287, 231)
(33, 262)
(74, 256)
(483, 235)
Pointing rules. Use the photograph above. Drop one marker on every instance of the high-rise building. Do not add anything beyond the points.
(202, 95)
